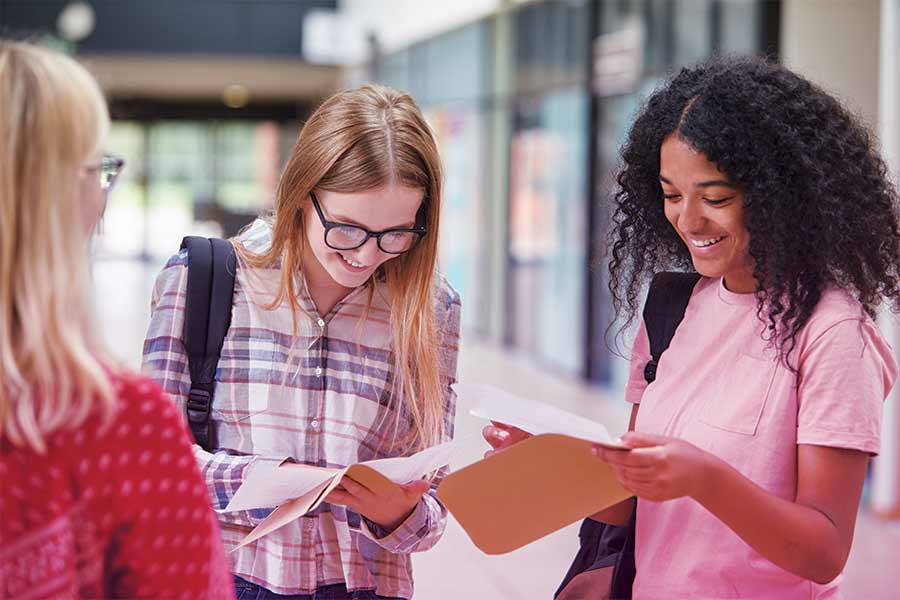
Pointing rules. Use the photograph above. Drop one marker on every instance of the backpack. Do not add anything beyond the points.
(611, 547)
(212, 265)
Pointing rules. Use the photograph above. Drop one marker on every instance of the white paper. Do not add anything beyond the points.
(267, 488)
(530, 415)
(272, 487)
(404, 469)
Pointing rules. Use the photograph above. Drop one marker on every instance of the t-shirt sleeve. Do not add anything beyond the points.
(847, 371)
(640, 355)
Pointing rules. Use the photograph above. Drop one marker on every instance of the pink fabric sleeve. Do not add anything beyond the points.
(847, 372)
(640, 354)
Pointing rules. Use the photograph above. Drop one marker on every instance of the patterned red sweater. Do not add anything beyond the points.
(120, 512)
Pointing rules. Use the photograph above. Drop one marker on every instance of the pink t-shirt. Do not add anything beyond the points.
(720, 388)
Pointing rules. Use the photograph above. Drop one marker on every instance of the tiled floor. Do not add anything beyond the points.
(455, 568)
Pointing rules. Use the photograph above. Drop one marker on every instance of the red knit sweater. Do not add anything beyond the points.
(120, 512)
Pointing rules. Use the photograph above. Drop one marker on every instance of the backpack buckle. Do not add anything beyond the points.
(198, 406)
(650, 371)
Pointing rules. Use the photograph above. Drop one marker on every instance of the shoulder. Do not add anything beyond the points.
(145, 415)
(445, 295)
(172, 275)
(256, 237)
(839, 327)
(835, 307)
(447, 303)
(143, 422)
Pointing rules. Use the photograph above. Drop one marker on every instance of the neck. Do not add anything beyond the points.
(741, 282)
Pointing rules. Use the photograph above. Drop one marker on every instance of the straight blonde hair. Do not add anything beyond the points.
(52, 118)
(358, 140)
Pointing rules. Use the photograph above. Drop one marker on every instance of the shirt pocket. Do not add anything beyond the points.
(250, 370)
(739, 397)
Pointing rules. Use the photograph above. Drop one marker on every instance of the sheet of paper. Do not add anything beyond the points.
(530, 415)
(404, 469)
(291, 510)
(400, 470)
(272, 487)
(267, 488)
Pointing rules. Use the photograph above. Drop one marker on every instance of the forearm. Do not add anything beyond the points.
(223, 473)
(797, 538)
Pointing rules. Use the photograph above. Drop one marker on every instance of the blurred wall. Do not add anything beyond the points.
(399, 23)
(851, 48)
(835, 43)
(886, 480)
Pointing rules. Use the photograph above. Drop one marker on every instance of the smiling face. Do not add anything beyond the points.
(391, 206)
(707, 211)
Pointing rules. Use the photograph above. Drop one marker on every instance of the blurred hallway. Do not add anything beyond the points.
(455, 568)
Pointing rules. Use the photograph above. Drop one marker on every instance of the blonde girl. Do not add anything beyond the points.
(86, 513)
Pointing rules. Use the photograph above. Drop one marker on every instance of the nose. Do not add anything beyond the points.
(691, 218)
(369, 253)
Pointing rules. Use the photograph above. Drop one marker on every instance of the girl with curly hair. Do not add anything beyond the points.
(749, 450)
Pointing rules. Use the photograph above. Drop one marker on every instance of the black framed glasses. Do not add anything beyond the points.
(109, 168)
(340, 236)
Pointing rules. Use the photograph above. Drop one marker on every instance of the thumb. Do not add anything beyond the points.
(633, 439)
(416, 488)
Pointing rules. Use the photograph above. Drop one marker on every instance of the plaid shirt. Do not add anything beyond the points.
(322, 408)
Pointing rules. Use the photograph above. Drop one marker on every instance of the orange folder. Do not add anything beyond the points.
(529, 490)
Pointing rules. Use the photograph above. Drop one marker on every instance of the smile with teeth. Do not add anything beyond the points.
(353, 264)
(707, 242)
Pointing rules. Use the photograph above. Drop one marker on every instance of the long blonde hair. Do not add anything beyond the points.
(52, 118)
(358, 140)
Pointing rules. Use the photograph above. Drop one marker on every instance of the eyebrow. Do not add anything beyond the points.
(705, 184)
(348, 221)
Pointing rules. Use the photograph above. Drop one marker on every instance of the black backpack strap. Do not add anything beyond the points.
(666, 302)
(207, 316)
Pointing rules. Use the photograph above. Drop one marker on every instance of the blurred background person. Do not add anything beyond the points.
(529, 100)
(90, 509)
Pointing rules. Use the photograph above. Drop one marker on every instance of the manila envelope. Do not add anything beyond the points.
(529, 490)
(298, 507)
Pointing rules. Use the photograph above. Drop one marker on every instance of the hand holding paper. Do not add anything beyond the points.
(298, 489)
(535, 486)
(388, 508)
(501, 436)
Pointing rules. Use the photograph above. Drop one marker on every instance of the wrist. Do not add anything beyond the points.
(389, 526)
(709, 478)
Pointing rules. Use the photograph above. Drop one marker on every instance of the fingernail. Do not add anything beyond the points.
(502, 434)
(595, 450)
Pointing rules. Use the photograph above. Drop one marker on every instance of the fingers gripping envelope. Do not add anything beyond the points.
(536, 486)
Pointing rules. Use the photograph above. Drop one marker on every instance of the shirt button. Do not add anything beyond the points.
(314, 424)
(318, 371)
(321, 323)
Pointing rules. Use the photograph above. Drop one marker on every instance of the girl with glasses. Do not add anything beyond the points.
(100, 496)
(342, 347)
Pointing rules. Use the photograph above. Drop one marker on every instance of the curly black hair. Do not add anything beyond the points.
(819, 206)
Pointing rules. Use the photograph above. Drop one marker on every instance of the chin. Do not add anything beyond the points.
(345, 278)
(707, 270)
